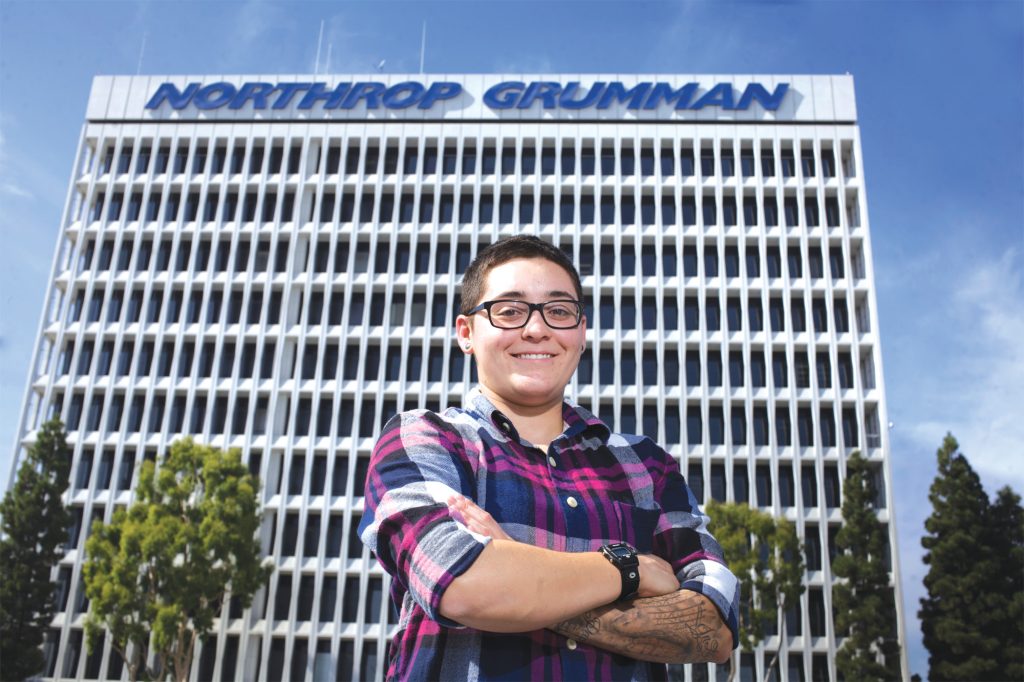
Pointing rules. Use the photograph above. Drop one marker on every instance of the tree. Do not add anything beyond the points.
(158, 574)
(957, 615)
(34, 526)
(765, 554)
(1007, 532)
(864, 604)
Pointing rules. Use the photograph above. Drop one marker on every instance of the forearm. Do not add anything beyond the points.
(680, 627)
(514, 587)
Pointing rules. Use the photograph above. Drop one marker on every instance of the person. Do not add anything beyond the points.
(526, 539)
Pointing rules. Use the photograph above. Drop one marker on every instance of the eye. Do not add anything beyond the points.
(560, 311)
(507, 310)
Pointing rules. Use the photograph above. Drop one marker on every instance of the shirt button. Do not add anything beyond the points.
(572, 502)
(571, 644)
(552, 462)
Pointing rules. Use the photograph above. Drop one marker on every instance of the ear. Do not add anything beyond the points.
(464, 334)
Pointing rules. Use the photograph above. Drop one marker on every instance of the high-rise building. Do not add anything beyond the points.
(273, 265)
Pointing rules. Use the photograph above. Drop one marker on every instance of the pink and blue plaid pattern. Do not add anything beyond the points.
(591, 488)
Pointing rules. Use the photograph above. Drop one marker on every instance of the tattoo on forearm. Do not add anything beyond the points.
(583, 627)
(678, 627)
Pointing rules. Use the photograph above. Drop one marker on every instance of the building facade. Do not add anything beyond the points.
(273, 265)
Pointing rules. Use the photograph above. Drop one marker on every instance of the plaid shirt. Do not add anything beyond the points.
(592, 487)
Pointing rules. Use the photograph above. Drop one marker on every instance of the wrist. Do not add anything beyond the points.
(626, 561)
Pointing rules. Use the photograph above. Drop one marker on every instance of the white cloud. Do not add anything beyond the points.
(980, 396)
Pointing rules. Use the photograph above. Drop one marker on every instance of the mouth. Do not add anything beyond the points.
(533, 356)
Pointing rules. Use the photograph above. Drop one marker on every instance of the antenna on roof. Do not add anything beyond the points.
(142, 51)
(327, 62)
(423, 46)
(319, 44)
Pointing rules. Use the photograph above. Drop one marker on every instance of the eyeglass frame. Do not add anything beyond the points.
(539, 307)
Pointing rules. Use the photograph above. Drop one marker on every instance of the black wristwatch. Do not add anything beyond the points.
(623, 557)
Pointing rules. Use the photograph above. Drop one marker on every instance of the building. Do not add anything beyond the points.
(273, 265)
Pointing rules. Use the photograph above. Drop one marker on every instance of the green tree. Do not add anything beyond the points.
(1007, 526)
(34, 526)
(765, 554)
(865, 606)
(158, 574)
(963, 575)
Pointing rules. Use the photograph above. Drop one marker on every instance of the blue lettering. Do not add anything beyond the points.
(288, 91)
(214, 96)
(393, 96)
(756, 91)
(545, 91)
(664, 91)
(503, 95)
(720, 95)
(567, 102)
(258, 92)
(617, 92)
(439, 91)
(371, 92)
(331, 98)
(168, 92)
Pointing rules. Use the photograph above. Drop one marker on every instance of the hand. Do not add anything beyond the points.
(656, 576)
(474, 518)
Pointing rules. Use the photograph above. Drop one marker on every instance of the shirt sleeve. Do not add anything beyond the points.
(418, 461)
(682, 539)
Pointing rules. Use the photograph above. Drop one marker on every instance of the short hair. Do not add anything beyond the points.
(501, 252)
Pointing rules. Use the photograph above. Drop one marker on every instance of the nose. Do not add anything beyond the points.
(535, 325)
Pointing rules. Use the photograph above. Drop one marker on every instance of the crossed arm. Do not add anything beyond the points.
(575, 595)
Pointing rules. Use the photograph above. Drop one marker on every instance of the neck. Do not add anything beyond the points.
(539, 424)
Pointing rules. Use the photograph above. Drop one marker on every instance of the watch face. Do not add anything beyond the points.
(621, 551)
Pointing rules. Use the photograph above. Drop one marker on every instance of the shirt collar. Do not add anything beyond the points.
(578, 420)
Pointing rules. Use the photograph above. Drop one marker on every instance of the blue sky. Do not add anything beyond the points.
(940, 95)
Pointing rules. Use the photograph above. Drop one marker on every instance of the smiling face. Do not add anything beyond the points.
(525, 370)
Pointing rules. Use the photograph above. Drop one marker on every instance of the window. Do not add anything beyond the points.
(816, 611)
(692, 364)
(690, 260)
(845, 366)
(691, 313)
(760, 425)
(850, 430)
(740, 482)
(835, 262)
(823, 370)
(763, 480)
(776, 315)
(797, 314)
(718, 482)
(713, 315)
(758, 374)
(714, 368)
(819, 315)
(787, 494)
(783, 436)
(779, 369)
(828, 427)
(716, 434)
(734, 315)
(788, 163)
(771, 211)
(735, 368)
(709, 210)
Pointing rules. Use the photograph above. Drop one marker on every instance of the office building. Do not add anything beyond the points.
(273, 265)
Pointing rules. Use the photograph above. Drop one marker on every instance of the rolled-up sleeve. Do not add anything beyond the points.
(419, 460)
(682, 539)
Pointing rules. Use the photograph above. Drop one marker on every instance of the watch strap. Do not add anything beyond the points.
(623, 557)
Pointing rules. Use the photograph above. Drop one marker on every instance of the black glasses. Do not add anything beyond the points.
(510, 314)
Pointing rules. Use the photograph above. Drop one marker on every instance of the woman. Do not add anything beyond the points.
(525, 538)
